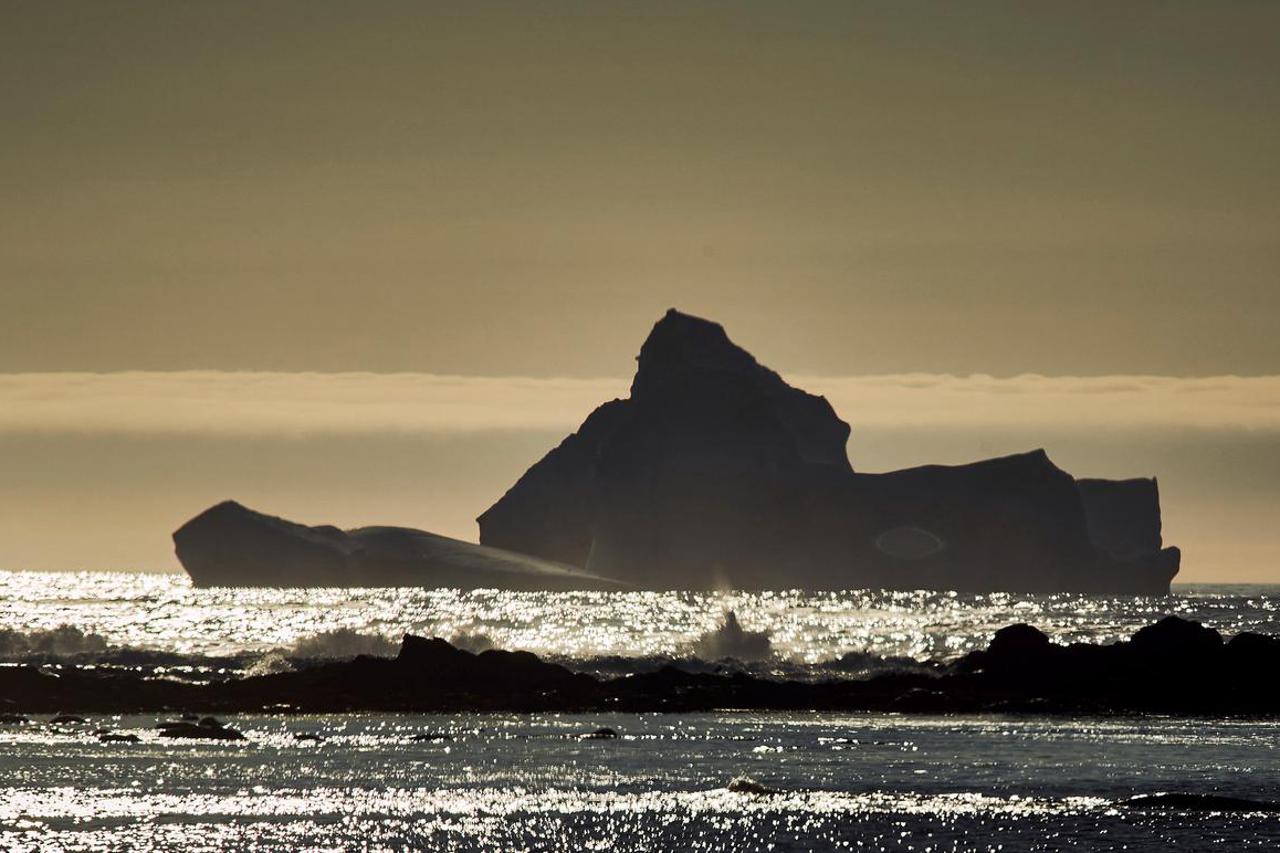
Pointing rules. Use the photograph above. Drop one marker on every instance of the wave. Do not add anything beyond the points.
(342, 644)
(339, 644)
(272, 663)
(472, 642)
(729, 640)
(67, 645)
(727, 648)
(65, 640)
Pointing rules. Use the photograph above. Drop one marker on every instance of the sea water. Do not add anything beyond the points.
(164, 612)
(529, 782)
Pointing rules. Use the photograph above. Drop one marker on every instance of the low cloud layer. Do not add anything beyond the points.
(99, 468)
(268, 404)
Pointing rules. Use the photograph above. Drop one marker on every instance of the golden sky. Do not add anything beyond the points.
(501, 188)
(100, 467)
(418, 201)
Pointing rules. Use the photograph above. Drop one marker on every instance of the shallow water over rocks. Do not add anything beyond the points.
(532, 782)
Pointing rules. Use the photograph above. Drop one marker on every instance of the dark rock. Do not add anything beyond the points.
(1033, 705)
(743, 785)
(715, 471)
(111, 737)
(1173, 667)
(1256, 655)
(599, 734)
(207, 729)
(1013, 650)
(869, 662)
(101, 691)
(447, 666)
(1176, 639)
(13, 719)
(430, 653)
(921, 700)
(68, 718)
(231, 545)
(308, 737)
(1019, 642)
(1200, 803)
(430, 737)
(426, 674)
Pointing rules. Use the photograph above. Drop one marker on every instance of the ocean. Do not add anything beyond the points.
(728, 781)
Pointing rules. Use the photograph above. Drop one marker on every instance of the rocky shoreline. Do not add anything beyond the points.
(1173, 667)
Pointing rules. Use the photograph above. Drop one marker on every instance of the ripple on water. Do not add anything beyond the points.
(517, 782)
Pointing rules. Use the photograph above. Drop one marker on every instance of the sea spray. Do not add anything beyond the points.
(730, 640)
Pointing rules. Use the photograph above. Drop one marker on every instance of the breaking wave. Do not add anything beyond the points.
(726, 648)
(472, 642)
(342, 644)
(272, 663)
(63, 641)
(729, 640)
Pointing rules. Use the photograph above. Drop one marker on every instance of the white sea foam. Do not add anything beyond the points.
(343, 644)
(62, 640)
(730, 640)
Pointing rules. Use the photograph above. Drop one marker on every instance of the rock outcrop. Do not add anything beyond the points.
(716, 472)
(232, 545)
(1171, 667)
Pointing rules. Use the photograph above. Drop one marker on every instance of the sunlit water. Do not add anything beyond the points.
(522, 782)
(863, 782)
(163, 611)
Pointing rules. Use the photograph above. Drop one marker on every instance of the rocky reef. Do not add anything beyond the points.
(715, 472)
(1171, 667)
(232, 545)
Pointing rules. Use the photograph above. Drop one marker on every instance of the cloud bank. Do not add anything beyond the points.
(269, 404)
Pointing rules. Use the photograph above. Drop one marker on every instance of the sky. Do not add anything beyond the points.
(367, 261)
